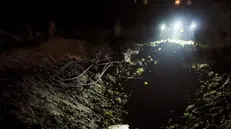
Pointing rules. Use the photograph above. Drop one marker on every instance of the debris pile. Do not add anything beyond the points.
(62, 93)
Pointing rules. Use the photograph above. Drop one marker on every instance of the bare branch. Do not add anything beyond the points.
(102, 73)
(65, 66)
(74, 78)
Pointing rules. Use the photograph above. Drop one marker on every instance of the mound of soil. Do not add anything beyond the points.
(39, 92)
(60, 47)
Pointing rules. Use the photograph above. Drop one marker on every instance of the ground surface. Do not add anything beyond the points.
(66, 84)
(50, 90)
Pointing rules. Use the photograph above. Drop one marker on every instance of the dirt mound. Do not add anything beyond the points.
(60, 47)
(62, 93)
(25, 58)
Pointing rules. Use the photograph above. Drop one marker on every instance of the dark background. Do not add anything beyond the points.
(91, 16)
(86, 14)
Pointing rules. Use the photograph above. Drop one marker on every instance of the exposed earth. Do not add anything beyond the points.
(72, 84)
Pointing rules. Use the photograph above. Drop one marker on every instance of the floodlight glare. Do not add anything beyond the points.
(193, 26)
(180, 29)
(177, 25)
(163, 26)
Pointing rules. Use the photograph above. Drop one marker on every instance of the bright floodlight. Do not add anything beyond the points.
(163, 26)
(177, 2)
(177, 25)
(193, 26)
